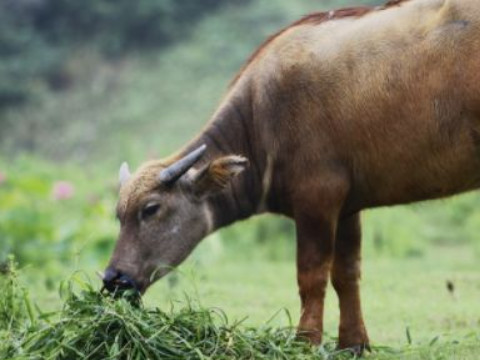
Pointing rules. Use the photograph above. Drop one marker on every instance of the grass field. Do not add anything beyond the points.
(409, 312)
(397, 294)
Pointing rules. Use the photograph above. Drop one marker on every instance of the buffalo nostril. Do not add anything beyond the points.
(110, 276)
(126, 282)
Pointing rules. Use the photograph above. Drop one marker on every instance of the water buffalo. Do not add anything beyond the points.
(339, 112)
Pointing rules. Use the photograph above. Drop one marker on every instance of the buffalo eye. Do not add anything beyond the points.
(149, 210)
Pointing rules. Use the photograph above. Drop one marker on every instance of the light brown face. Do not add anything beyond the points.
(162, 221)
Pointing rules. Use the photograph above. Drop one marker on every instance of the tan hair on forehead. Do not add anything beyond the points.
(143, 181)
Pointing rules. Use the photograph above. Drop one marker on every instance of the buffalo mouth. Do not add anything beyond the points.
(120, 285)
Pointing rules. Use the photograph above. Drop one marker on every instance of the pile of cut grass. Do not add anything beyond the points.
(94, 326)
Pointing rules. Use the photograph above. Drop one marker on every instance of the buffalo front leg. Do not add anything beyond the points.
(345, 279)
(315, 248)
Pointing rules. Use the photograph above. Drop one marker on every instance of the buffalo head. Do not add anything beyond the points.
(164, 213)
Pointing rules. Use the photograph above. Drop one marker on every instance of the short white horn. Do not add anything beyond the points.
(124, 174)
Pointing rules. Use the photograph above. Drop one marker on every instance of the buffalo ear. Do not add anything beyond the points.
(217, 174)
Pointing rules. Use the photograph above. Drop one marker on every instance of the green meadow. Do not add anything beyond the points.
(409, 311)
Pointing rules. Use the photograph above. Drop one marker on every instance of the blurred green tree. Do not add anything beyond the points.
(36, 35)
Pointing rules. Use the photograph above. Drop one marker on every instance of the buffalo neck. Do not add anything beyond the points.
(232, 131)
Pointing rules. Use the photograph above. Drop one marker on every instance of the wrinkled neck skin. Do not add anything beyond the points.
(232, 131)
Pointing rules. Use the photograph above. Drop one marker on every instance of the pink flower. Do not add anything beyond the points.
(3, 178)
(63, 190)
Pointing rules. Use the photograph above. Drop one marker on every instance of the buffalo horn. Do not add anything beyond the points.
(123, 174)
(180, 167)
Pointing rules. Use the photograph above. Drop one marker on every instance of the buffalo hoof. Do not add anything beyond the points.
(312, 337)
(357, 350)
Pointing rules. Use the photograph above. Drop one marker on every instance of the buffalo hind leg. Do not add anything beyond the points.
(345, 279)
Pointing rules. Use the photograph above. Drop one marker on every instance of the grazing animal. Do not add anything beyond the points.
(342, 111)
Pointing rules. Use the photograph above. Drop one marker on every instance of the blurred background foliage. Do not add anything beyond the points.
(87, 84)
(38, 36)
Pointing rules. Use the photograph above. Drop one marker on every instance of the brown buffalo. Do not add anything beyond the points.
(342, 111)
